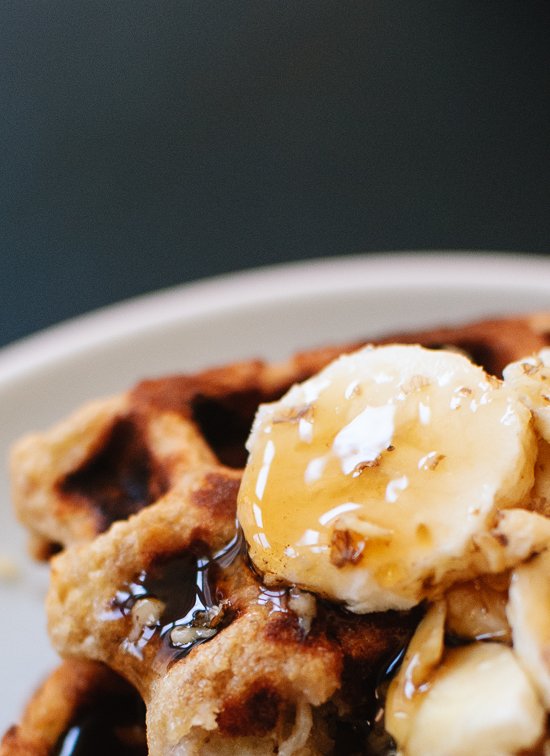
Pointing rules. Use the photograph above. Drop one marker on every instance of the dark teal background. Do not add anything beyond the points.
(148, 143)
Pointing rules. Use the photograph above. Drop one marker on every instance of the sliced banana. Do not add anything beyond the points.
(423, 655)
(517, 535)
(529, 616)
(530, 379)
(476, 610)
(372, 482)
(479, 701)
(539, 498)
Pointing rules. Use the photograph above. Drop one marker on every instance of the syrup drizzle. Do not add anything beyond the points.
(361, 731)
(186, 586)
(379, 741)
(112, 726)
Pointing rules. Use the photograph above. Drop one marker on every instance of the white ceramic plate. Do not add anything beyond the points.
(267, 313)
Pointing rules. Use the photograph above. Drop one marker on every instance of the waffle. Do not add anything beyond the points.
(116, 456)
(83, 707)
(139, 492)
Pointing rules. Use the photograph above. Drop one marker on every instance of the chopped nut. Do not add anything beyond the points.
(416, 383)
(210, 617)
(294, 414)
(345, 548)
(147, 612)
(358, 469)
(304, 605)
(182, 635)
(430, 461)
(360, 466)
(531, 368)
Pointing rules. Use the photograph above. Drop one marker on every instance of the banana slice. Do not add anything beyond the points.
(518, 535)
(530, 379)
(423, 656)
(476, 610)
(372, 482)
(529, 616)
(540, 494)
(478, 701)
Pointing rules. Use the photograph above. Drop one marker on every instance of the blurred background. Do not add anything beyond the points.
(145, 144)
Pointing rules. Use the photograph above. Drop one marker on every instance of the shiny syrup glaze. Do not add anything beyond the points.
(345, 473)
(186, 585)
(379, 742)
(362, 732)
(111, 725)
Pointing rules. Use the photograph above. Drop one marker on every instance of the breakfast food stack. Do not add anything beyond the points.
(375, 581)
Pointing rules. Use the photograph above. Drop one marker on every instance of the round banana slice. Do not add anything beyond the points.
(478, 701)
(370, 482)
(530, 379)
(529, 616)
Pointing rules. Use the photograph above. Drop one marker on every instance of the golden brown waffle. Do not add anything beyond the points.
(83, 707)
(166, 597)
(116, 456)
(247, 661)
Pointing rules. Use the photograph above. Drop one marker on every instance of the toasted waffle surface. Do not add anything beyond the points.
(246, 662)
(83, 707)
(140, 492)
(116, 456)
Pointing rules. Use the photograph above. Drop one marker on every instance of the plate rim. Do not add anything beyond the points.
(274, 283)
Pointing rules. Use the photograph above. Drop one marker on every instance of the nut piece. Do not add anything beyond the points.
(182, 635)
(304, 605)
(346, 547)
(146, 612)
